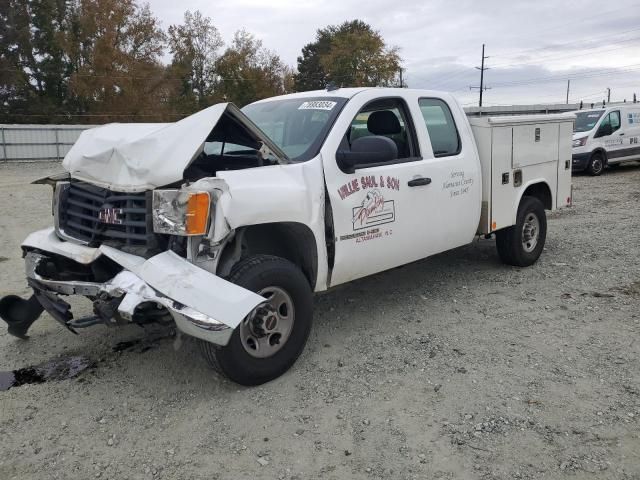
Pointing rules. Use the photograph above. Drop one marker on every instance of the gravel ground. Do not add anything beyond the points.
(452, 367)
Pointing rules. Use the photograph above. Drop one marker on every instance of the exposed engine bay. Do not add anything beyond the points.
(229, 146)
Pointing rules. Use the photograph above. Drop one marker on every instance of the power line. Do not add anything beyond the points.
(554, 58)
(576, 21)
(444, 80)
(579, 42)
(550, 58)
(564, 76)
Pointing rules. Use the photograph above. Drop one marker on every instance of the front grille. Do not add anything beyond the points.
(96, 216)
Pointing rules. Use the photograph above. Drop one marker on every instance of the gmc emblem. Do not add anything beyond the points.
(112, 216)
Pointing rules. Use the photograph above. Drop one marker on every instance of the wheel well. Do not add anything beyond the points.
(542, 192)
(290, 240)
(602, 152)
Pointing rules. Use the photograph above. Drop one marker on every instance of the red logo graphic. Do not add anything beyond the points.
(374, 210)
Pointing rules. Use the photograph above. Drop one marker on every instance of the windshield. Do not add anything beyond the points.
(585, 121)
(298, 126)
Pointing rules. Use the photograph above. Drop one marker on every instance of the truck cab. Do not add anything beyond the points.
(227, 221)
(606, 137)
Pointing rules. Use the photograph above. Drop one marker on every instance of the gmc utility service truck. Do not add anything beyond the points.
(225, 222)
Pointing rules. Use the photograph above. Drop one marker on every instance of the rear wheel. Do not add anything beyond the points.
(522, 244)
(596, 164)
(270, 339)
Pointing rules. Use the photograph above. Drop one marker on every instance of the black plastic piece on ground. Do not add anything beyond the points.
(20, 314)
(85, 322)
(57, 308)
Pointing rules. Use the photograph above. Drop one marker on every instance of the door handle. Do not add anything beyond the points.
(621, 133)
(416, 182)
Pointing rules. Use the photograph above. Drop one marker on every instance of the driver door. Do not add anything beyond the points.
(374, 209)
(611, 136)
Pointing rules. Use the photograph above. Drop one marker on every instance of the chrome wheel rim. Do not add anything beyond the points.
(267, 328)
(530, 232)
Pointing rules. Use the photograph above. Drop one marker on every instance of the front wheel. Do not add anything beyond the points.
(270, 339)
(596, 164)
(522, 244)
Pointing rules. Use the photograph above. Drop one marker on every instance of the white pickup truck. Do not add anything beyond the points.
(227, 221)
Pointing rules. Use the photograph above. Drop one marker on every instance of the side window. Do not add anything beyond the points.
(386, 118)
(443, 133)
(609, 124)
(614, 120)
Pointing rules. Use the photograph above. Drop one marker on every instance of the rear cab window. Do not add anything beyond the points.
(443, 133)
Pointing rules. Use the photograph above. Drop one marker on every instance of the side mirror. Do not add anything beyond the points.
(366, 151)
(604, 130)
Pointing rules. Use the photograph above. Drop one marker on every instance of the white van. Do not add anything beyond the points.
(606, 137)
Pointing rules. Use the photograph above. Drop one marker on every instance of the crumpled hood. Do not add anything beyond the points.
(134, 157)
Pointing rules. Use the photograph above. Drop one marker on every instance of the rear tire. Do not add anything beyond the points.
(522, 244)
(271, 338)
(596, 164)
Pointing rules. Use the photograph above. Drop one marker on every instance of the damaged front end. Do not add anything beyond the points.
(138, 229)
(125, 288)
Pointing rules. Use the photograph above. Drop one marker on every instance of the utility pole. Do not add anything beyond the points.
(608, 95)
(568, 84)
(401, 82)
(482, 68)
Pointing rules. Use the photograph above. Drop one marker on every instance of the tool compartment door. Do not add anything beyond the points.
(534, 144)
(563, 197)
(502, 192)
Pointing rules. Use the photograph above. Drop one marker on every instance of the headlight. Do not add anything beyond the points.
(180, 212)
(580, 142)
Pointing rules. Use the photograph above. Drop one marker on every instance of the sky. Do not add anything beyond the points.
(533, 46)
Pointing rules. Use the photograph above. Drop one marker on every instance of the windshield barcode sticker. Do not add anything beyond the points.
(317, 105)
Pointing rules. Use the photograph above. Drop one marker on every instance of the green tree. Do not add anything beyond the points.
(195, 46)
(248, 72)
(351, 54)
(34, 68)
(116, 49)
(311, 74)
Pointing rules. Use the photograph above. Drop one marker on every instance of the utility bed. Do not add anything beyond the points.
(518, 151)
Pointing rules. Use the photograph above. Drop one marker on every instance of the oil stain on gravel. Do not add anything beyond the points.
(56, 370)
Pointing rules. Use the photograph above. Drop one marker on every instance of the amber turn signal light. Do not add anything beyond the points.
(197, 213)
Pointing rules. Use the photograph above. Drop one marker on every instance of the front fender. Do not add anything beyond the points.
(291, 193)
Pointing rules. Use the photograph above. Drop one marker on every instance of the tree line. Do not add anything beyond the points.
(98, 61)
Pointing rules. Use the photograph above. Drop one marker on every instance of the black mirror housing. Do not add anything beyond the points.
(367, 151)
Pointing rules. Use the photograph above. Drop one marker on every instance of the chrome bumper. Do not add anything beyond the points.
(133, 291)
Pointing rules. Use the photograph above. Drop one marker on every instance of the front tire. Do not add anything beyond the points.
(271, 338)
(596, 164)
(522, 244)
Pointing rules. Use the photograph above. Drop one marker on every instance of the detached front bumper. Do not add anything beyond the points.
(202, 304)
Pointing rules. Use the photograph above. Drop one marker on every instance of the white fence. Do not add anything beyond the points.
(37, 142)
